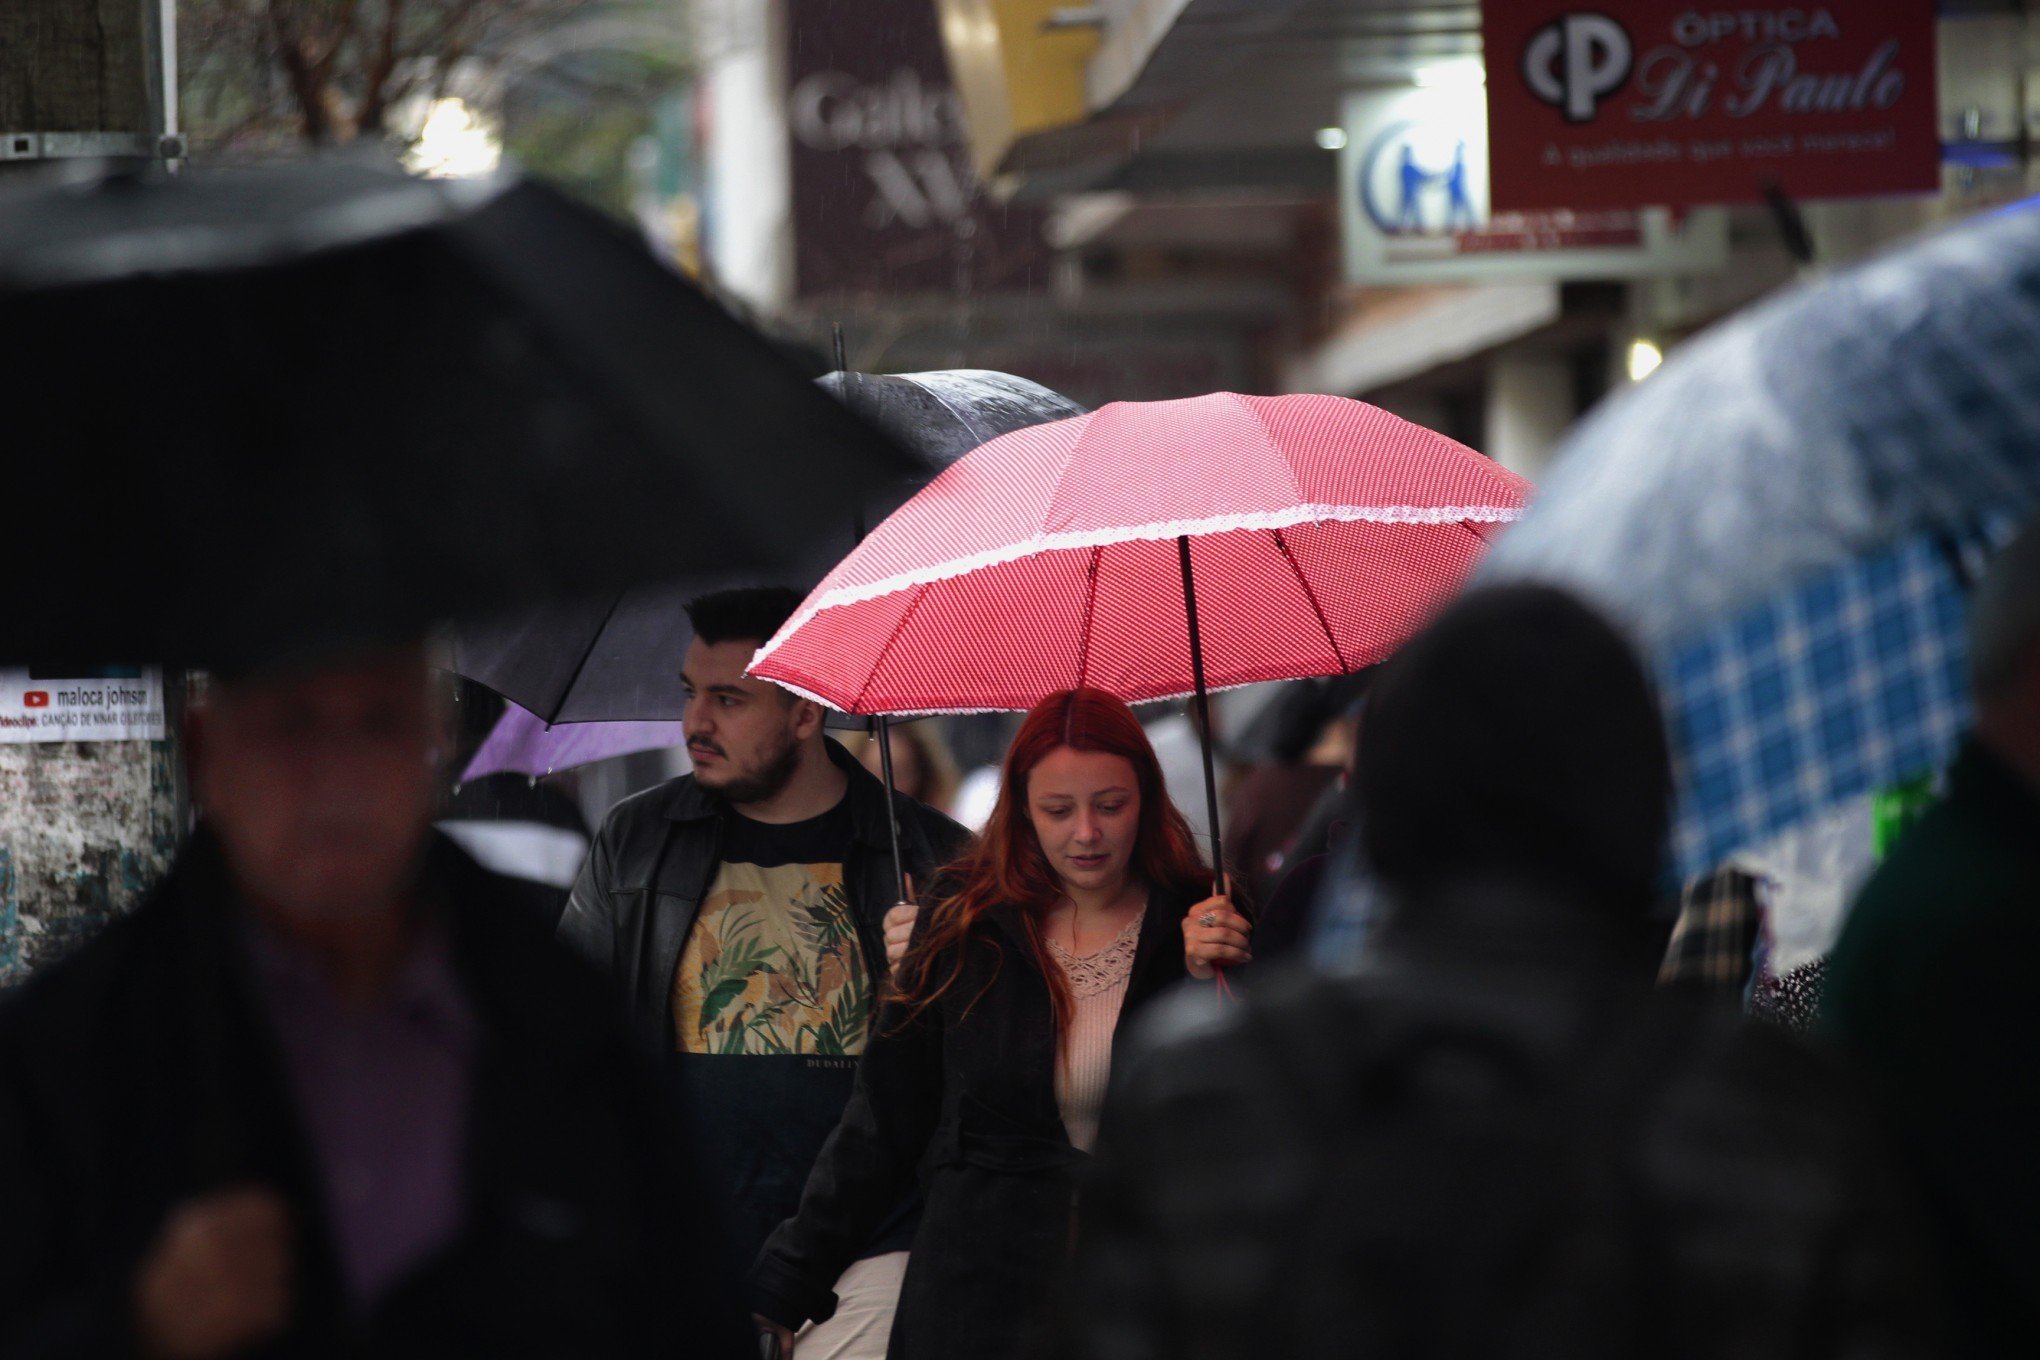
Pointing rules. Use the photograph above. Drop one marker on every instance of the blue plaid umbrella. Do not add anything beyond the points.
(1850, 681)
(1788, 518)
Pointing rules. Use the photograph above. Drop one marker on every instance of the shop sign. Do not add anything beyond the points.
(1623, 103)
(885, 200)
(108, 704)
(1415, 207)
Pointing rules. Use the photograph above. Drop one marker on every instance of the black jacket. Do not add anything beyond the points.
(656, 858)
(141, 1073)
(1494, 1141)
(964, 1094)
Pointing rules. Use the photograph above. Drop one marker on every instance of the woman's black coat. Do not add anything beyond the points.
(964, 1096)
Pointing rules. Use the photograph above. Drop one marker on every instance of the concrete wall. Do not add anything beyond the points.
(85, 829)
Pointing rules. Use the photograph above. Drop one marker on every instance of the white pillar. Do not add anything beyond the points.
(750, 185)
(1529, 405)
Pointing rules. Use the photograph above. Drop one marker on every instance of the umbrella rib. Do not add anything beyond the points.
(899, 631)
(962, 418)
(1282, 455)
(1311, 595)
(559, 705)
(1055, 488)
(1090, 608)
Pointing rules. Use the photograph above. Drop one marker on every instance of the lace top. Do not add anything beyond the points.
(1084, 1058)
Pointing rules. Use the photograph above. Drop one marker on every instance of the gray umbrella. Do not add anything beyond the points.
(1789, 515)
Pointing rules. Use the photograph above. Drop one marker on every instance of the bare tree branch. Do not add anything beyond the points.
(332, 70)
(374, 105)
(314, 113)
(339, 33)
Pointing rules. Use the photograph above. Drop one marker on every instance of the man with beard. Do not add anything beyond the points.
(740, 909)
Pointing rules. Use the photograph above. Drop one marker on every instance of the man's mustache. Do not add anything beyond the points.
(710, 747)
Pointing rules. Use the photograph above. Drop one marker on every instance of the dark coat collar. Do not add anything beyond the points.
(687, 801)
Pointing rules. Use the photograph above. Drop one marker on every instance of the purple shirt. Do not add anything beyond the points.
(382, 1090)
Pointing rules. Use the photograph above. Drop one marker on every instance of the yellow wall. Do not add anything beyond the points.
(1015, 80)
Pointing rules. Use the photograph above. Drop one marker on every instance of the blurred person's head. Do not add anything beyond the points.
(1518, 740)
(747, 737)
(320, 782)
(2004, 652)
(922, 767)
(1082, 810)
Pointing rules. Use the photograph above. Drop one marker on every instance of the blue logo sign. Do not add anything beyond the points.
(1414, 182)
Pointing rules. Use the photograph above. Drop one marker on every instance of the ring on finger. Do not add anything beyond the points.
(1208, 919)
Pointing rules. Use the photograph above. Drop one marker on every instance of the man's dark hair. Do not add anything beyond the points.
(1517, 739)
(749, 614)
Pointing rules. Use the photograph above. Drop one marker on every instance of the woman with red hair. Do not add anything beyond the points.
(985, 1071)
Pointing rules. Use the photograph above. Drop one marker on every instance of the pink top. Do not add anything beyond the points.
(1098, 987)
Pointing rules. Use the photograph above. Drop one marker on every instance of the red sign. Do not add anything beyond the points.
(35, 698)
(1633, 103)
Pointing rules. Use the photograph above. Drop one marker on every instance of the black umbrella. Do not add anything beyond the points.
(944, 414)
(262, 410)
(591, 661)
(618, 658)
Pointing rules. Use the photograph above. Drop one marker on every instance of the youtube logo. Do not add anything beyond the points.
(36, 698)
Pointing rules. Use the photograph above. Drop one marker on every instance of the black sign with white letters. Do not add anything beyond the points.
(884, 199)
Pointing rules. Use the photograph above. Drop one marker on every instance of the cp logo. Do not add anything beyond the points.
(1576, 61)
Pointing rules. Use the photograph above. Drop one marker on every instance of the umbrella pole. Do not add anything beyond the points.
(1203, 710)
(892, 815)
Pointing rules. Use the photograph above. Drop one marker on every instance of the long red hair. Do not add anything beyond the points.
(1007, 866)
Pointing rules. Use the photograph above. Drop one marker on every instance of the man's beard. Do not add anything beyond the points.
(766, 780)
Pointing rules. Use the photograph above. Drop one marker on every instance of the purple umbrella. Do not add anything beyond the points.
(521, 743)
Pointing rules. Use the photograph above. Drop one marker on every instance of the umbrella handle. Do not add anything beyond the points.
(892, 813)
(1203, 705)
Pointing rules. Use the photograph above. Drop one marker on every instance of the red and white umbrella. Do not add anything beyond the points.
(1320, 534)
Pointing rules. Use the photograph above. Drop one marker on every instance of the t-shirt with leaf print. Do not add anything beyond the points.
(773, 965)
(771, 1003)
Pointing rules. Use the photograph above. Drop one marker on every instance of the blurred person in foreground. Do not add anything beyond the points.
(1302, 746)
(1305, 858)
(738, 910)
(1084, 899)
(331, 1089)
(1495, 1139)
(1930, 987)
